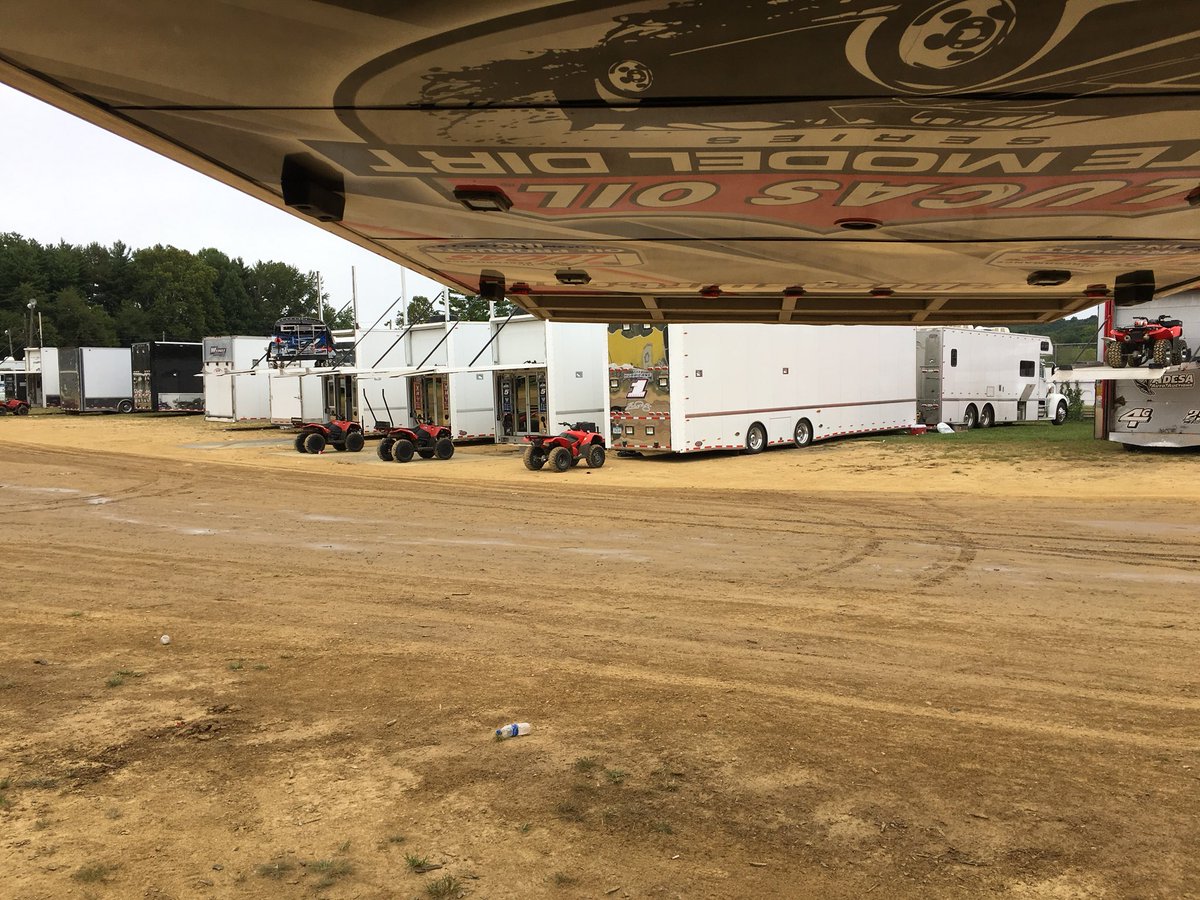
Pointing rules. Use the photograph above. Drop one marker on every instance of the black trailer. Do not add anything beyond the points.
(166, 376)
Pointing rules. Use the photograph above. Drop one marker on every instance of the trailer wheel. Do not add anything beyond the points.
(425, 452)
(987, 418)
(444, 448)
(1060, 413)
(1113, 356)
(299, 442)
(971, 417)
(595, 456)
(756, 438)
(534, 458)
(314, 442)
(355, 441)
(402, 450)
(125, 406)
(803, 435)
(560, 459)
(384, 449)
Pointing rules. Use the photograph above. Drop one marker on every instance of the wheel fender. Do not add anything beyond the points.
(1053, 398)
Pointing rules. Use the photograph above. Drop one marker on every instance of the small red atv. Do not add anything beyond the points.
(1157, 341)
(425, 440)
(341, 435)
(14, 406)
(579, 441)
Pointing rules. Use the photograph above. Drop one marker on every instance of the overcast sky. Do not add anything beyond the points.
(67, 180)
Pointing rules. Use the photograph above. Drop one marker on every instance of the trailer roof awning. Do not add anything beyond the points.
(904, 161)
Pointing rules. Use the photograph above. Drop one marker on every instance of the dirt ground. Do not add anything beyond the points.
(873, 668)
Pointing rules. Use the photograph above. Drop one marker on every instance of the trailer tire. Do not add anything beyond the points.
(1060, 413)
(443, 448)
(971, 417)
(756, 438)
(314, 442)
(1113, 356)
(534, 459)
(299, 442)
(560, 459)
(802, 436)
(355, 441)
(987, 418)
(125, 406)
(384, 449)
(595, 456)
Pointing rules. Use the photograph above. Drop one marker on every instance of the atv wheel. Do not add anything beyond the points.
(1162, 353)
(384, 449)
(425, 452)
(970, 417)
(987, 418)
(402, 450)
(21, 411)
(534, 458)
(756, 438)
(299, 442)
(339, 446)
(444, 448)
(355, 441)
(1113, 356)
(595, 456)
(560, 459)
(314, 442)
(1060, 413)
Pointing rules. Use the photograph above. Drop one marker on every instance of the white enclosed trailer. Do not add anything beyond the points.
(461, 401)
(296, 397)
(688, 388)
(236, 381)
(984, 376)
(1151, 407)
(546, 373)
(95, 379)
(41, 367)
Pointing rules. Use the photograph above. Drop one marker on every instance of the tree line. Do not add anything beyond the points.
(96, 296)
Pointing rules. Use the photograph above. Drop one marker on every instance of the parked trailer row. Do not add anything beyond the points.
(690, 388)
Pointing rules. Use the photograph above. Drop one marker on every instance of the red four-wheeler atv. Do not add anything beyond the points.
(341, 435)
(1147, 341)
(425, 440)
(14, 406)
(579, 441)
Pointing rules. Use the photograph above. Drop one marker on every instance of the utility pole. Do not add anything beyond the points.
(31, 306)
(8, 334)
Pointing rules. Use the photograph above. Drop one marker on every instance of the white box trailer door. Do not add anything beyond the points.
(576, 369)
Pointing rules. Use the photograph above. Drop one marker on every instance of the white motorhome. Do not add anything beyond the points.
(688, 388)
(41, 374)
(95, 379)
(1152, 407)
(983, 377)
(236, 379)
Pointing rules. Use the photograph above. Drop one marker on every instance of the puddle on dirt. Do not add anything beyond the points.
(99, 501)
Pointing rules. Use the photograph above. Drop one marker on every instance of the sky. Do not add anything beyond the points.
(68, 180)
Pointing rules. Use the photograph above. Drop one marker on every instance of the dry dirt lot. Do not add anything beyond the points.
(870, 669)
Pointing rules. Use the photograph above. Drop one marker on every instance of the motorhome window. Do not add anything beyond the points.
(1027, 368)
(954, 357)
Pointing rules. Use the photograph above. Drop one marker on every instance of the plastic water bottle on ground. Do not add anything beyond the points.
(516, 729)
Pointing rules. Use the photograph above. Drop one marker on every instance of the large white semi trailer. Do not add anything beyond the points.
(236, 382)
(983, 377)
(688, 388)
(95, 379)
